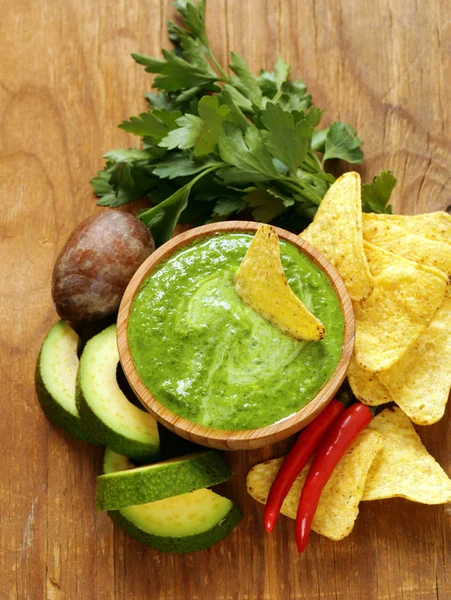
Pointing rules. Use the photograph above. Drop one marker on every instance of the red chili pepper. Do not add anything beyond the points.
(342, 433)
(296, 459)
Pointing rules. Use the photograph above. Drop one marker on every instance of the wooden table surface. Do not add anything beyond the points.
(66, 81)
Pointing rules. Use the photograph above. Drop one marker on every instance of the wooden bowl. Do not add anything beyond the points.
(218, 438)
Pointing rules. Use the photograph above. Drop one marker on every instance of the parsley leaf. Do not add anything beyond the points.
(319, 139)
(376, 195)
(193, 52)
(313, 116)
(175, 34)
(102, 187)
(237, 98)
(199, 132)
(286, 200)
(122, 182)
(286, 139)
(127, 155)
(281, 72)
(156, 124)
(342, 142)
(247, 154)
(175, 73)
(193, 18)
(235, 114)
(294, 96)
(212, 116)
(186, 135)
(162, 218)
(180, 165)
(313, 186)
(245, 82)
(158, 100)
(271, 81)
(227, 206)
(265, 207)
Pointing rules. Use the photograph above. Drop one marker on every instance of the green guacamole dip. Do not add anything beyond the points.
(210, 358)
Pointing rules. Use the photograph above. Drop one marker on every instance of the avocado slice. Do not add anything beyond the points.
(164, 479)
(55, 375)
(183, 523)
(104, 408)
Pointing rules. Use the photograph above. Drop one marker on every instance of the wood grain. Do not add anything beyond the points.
(66, 80)
(252, 438)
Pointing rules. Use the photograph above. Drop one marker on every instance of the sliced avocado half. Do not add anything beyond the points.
(164, 479)
(104, 408)
(183, 523)
(56, 372)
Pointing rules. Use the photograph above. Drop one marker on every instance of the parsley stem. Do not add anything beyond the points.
(313, 198)
(187, 187)
(312, 164)
(301, 191)
(317, 160)
(276, 98)
(211, 56)
(295, 188)
(309, 166)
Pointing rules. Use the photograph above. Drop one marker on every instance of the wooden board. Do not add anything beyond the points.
(66, 80)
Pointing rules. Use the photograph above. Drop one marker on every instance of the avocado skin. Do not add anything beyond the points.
(191, 543)
(143, 486)
(56, 413)
(108, 437)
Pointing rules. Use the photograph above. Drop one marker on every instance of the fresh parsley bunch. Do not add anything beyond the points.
(216, 146)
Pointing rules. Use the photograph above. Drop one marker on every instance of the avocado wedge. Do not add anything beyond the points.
(184, 523)
(104, 408)
(164, 479)
(56, 372)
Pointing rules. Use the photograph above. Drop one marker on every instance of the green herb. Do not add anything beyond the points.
(216, 144)
(163, 218)
(155, 125)
(198, 132)
(342, 142)
(376, 195)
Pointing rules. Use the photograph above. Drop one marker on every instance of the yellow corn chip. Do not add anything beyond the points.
(366, 386)
(336, 231)
(389, 235)
(420, 382)
(435, 225)
(404, 301)
(261, 283)
(404, 468)
(339, 503)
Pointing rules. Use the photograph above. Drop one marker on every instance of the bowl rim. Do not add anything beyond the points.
(246, 438)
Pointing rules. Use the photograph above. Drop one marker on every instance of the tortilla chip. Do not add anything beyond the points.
(434, 226)
(404, 301)
(339, 503)
(366, 386)
(261, 283)
(389, 235)
(404, 468)
(336, 231)
(420, 382)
